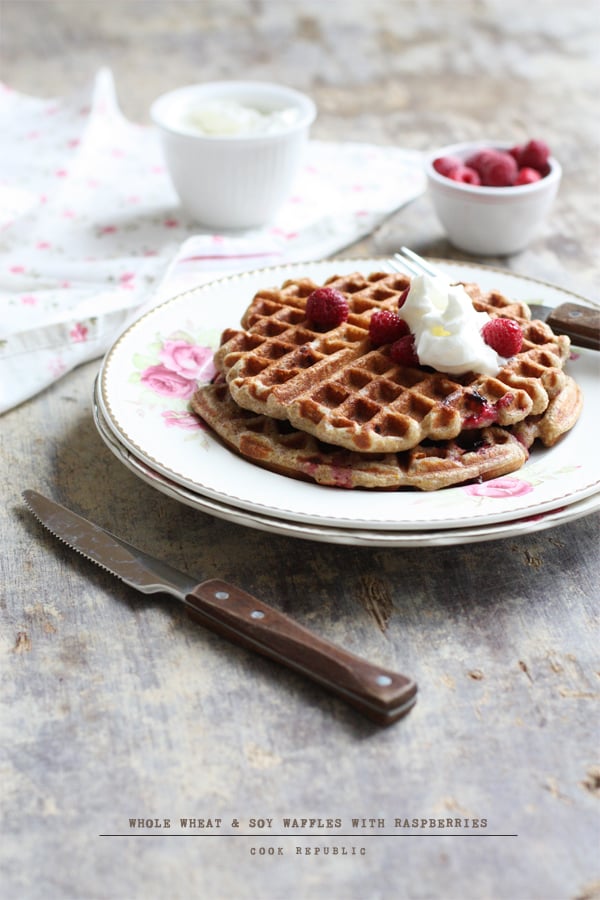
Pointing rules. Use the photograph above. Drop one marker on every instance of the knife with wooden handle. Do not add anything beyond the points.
(580, 323)
(381, 695)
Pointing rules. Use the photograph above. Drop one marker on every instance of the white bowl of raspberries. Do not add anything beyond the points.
(492, 196)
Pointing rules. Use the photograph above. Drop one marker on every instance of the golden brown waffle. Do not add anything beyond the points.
(338, 387)
(275, 445)
(561, 414)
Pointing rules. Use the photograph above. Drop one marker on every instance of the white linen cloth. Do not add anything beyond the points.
(91, 230)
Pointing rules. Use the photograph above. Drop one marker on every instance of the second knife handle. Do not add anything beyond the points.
(382, 695)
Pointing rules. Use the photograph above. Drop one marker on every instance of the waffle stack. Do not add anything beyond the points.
(328, 406)
(274, 444)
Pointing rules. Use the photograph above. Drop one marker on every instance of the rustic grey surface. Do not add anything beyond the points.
(114, 707)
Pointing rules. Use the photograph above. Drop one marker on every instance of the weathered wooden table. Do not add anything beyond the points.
(119, 715)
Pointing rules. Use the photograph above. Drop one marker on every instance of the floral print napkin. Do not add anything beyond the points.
(91, 232)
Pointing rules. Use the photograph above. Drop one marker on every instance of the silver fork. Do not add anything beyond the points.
(408, 260)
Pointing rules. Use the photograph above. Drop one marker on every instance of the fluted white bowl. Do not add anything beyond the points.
(233, 181)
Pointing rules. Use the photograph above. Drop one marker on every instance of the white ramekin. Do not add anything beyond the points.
(233, 181)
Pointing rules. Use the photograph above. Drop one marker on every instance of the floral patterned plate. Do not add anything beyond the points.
(149, 374)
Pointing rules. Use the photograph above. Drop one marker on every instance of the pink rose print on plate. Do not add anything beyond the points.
(175, 419)
(181, 366)
(188, 360)
(499, 488)
(167, 383)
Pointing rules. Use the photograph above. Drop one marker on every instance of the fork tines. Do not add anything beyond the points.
(412, 262)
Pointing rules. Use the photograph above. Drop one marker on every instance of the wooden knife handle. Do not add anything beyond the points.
(381, 695)
(580, 323)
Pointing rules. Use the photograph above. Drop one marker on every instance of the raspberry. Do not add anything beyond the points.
(535, 155)
(481, 412)
(504, 336)
(527, 176)
(403, 297)
(501, 172)
(445, 164)
(327, 307)
(516, 153)
(465, 174)
(494, 167)
(481, 158)
(385, 327)
(403, 351)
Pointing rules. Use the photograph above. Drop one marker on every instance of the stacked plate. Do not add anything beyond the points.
(140, 410)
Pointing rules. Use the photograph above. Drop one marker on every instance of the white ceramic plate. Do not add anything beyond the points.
(151, 370)
(353, 536)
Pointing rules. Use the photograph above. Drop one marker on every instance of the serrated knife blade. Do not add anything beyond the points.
(382, 695)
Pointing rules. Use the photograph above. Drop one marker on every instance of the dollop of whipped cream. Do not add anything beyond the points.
(229, 118)
(447, 328)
